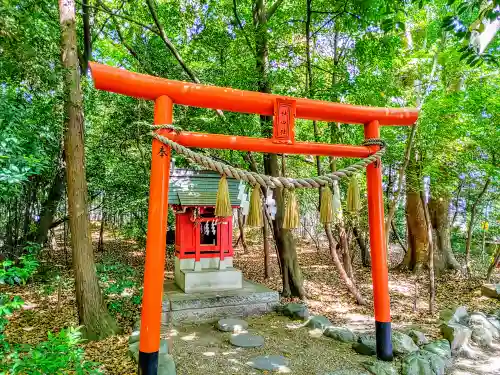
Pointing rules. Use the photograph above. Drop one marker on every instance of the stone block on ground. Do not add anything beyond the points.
(380, 368)
(340, 334)
(276, 363)
(246, 340)
(232, 325)
(318, 322)
(166, 364)
(418, 337)
(402, 344)
(134, 337)
(423, 362)
(366, 345)
(296, 311)
(133, 351)
(478, 319)
(495, 322)
(481, 336)
(491, 290)
(457, 334)
(455, 315)
(441, 348)
(133, 348)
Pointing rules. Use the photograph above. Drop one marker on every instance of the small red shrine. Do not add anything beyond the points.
(203, 242)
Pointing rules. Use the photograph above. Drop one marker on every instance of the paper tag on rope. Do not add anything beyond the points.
(337, 206)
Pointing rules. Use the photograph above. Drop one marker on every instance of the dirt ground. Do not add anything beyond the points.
(202, 348)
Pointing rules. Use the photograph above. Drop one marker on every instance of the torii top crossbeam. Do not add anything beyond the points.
(193, 94)
(166, 93)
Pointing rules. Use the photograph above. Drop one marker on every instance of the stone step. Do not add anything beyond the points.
(252, 299)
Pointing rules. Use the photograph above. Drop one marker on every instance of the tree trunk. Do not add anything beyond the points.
(265, 234)
(439, 214)
(494, 264)
(49, 206)
(310, 85)
(342, 273)
(428, 224)
(100, 244)
(416, 256)
(365, 253)
(471, 225)
(398, 238)
(241, 226)
(93, 315)
(291, 274)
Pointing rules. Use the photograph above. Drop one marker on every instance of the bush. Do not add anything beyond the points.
(60, 354)
(19, 271)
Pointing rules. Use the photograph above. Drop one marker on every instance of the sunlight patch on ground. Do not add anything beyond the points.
(189, 337)
(173, 333)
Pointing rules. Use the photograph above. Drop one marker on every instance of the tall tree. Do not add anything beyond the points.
(92, 312)
(291, 273)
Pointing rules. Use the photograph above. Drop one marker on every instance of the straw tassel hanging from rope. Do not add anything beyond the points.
(326, 214)
(223, 202)
(353, 200)
(254, 218)
(291, 217)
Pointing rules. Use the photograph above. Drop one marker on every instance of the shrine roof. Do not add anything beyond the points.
(190, 188)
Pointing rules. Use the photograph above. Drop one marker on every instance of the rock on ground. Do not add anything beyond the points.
(380, 368)
(340, 334)
(441, 348)
(458, 315)
(232, 325)
(296, 311)
(133, 351)
(423, 362)
(491, 290)
(166, 364)
(246, 340)
(418, 337)
(318, 322)
(457, 334)
(481, 320)
(481, 336)
(134, 337)
(269, 363)
(366, 345)
(133, 348)
(402, 344)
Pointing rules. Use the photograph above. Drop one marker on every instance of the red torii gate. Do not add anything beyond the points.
(285, 109)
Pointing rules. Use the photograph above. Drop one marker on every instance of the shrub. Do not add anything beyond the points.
(60, 354)
(19, 271)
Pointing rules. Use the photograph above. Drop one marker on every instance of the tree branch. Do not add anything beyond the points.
(242, 30)
(272, 9)
(168, 43)
(87, 38)
(130, 19)
(171, 47)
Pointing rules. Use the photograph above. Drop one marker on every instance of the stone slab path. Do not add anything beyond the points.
(203, 349)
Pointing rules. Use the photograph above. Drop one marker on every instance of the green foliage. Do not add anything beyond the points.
(60, 354)
(21, 270)
(122, 287)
